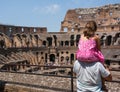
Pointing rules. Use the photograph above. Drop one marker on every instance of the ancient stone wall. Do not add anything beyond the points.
(14, 82)
(35, 82)
(104, 16)
(9, 30)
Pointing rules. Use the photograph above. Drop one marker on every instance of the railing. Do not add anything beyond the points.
(49, 67)
(37, 67)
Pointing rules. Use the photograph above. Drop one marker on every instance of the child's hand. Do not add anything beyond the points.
(106, 66)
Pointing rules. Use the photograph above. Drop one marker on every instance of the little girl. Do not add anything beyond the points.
(89, 46)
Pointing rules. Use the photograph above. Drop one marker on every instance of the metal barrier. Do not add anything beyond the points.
(49, 67)
(38, 67)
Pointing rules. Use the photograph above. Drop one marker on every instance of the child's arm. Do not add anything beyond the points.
(98, 42)
(108, 78)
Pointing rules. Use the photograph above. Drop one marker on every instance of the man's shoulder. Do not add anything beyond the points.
(88, 63)
(76, 62)
(99, 63)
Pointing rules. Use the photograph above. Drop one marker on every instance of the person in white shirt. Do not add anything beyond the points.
(89, 76)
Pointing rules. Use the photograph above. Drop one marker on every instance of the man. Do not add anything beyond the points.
(89, 76)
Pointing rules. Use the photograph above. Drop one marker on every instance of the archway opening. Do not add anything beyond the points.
(49, 39)
(52, 58)
(108, 40)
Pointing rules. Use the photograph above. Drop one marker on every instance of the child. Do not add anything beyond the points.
(89, 46)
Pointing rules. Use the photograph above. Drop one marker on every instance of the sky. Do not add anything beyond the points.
(43, 13)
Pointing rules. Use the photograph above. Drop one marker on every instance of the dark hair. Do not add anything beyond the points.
(88, 32)
(92, 25)
(90, 29)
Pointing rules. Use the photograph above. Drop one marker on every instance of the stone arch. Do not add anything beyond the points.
(62, 58)
(18, 35)
(8, 41)
(117, 39)
(72, 57)
(66, 43)
(33, 41)
(72, 42)
(46, 57)
(55, 40)
(36, 39)
(17, 40)
(49, 39)
(67, 59)
(72, 37)
(2, 42)
(108, 40)
(52, 58)
(112, 28)
(77, 39)
(117, 35)
(23, 38)
(102, 40)
(61, 43)
(40, 42)
(44, 43)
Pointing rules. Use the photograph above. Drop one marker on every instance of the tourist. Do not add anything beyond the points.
(89, 49)
(89, 76)
(89, 45)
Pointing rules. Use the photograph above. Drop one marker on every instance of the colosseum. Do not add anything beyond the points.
(32, 57)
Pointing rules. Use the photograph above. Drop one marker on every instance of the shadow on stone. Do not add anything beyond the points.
(2, 86)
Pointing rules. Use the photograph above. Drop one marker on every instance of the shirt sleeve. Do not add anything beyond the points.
(76, 67)
(103, 71)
